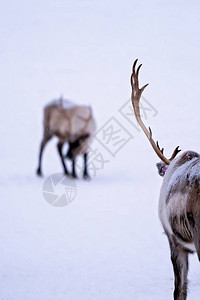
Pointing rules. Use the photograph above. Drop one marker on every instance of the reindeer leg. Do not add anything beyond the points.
(59, 147)
(74, 175)
(46, 138)
(179, 258)
(85, 172)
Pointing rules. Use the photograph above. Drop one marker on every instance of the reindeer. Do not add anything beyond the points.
(71, 123)
(179, 203)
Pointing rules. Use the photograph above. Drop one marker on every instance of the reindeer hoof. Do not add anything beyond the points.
(74, 176)
(39, 173)
(86, 177)
(66, 174)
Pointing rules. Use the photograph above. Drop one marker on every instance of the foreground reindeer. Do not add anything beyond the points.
(179, 204)
(71, 123)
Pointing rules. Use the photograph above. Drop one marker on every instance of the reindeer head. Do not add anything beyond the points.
(77, 146)
(162, 168)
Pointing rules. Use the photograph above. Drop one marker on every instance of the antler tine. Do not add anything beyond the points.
(176, 151)
(156, 147)
(134, 82)
(135, 97)
(162, 150)
(135, 75)
(134, 64)
(138, 69)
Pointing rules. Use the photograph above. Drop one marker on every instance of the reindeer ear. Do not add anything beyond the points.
(162, 168)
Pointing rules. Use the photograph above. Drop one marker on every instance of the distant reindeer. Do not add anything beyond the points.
(73, 124)
(179, 204)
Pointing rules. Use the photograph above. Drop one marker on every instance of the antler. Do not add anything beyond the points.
(135, 97)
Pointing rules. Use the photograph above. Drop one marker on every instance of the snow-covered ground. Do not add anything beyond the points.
(108, 243)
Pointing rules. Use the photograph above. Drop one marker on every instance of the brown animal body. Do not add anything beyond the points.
(70, 123)
(179, 203)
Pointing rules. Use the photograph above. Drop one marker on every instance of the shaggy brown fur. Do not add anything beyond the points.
(70, 123)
